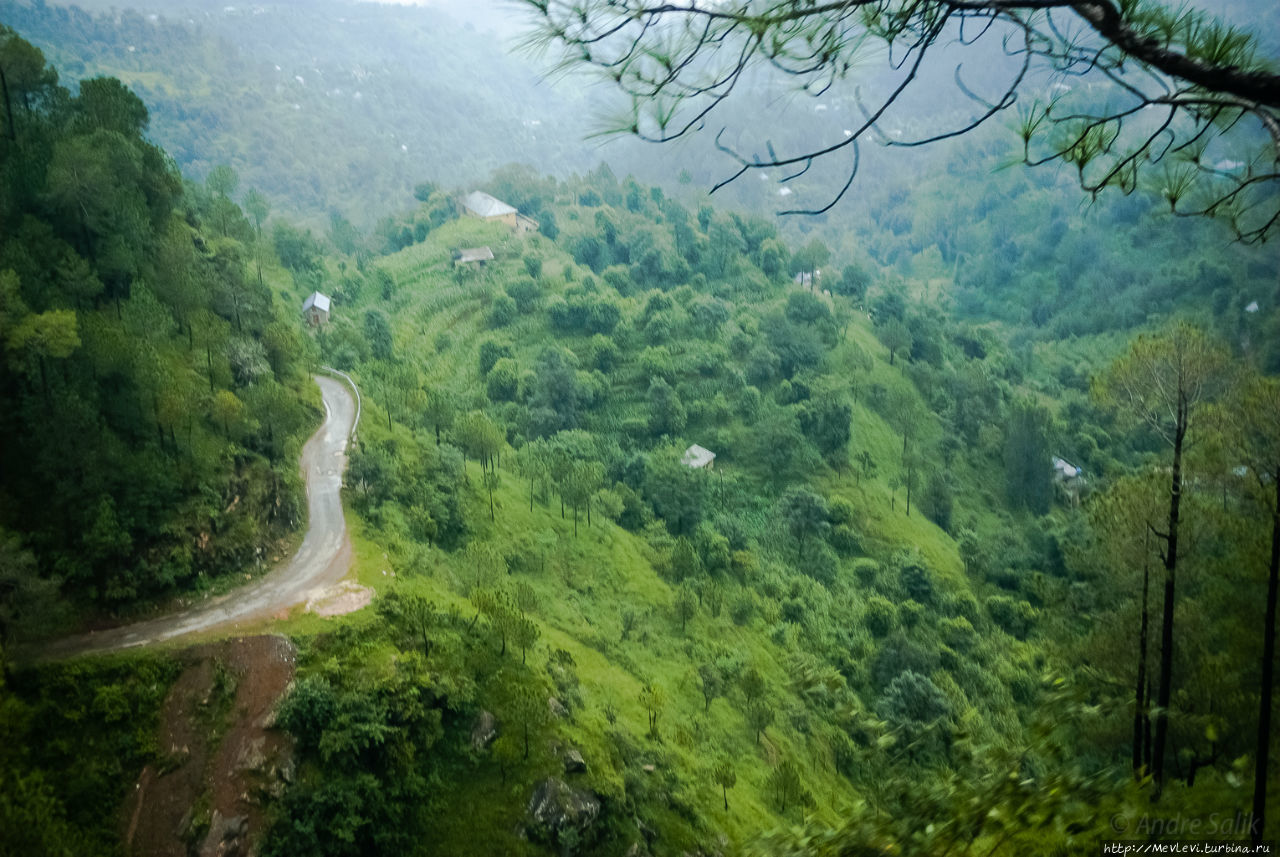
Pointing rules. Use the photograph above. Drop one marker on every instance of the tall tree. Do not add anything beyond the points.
(1162, 382)
(1027, 468)
(1256, 408)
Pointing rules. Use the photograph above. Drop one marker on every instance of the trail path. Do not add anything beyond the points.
(321, 561)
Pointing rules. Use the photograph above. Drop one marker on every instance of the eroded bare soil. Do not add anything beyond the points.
(222, 759)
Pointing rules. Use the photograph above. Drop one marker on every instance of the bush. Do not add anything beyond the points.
(526, 293)
(910, 613)
(491, 352)
(898, 655)
(917, 582)
(913, 699)
(820, 564)
(866, 570)
(840, 511)
(880, 616)
(1015, 617)
(958, 633)
(504, 380)
(964, 605)
(845, 540)
(503, 311)
(742, 609)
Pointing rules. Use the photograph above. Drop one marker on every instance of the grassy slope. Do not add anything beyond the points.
(588, 582)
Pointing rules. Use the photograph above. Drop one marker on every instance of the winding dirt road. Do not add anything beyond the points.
(321, 561)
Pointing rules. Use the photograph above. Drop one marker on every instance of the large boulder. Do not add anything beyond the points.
(573, 762)
(556, 808)
(483, 731)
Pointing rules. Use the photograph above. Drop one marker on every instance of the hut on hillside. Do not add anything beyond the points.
(480, 204)
(698, 458)
(315, 309)
(474, 256)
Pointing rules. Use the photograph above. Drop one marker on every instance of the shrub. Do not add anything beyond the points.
(866, 570)
(910, 613)
(503, 311)
(845, 540)
(964, 605)
(898, 655)
(820, 564)
(914, 699)
(958, 633)
(840, 511)
(1015, 617)
(742, 609)
(880, 616)
(917, 582)
(503, 381)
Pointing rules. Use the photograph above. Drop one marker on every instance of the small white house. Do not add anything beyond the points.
(478, 256)
(315, 309)
(698, 458)
(1065, 471)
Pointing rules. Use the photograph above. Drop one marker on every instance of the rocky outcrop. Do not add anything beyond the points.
(573, 762)
(483, 731)
(557, 808)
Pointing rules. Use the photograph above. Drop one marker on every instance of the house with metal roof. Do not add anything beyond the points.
(698, 458)
(315, 309)
(478, 256)
(480, 204)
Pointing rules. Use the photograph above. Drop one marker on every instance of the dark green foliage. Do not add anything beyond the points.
(1014, 616)
(151, 382)
(378, 332)
(556, 397)
(787, 788)
(503, 312)
(491, 351)
(369, 742)
(676, 492)
(1026, 457)
(503, 380)
(797, 346)
(805, 516)
(525, 291)
(75, 738)
(880, 616)
(919, 712)
(826, 422)
(853, 283)
(897, 655)
(667, 415)
(916, 580)
(584, 314)
(936, 499)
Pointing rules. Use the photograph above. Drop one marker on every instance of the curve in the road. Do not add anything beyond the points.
(322, 560)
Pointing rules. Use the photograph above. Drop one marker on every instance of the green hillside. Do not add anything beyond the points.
(914, 607)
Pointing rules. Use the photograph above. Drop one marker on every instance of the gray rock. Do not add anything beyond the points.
(225, 837)
(483, 731)
(556, 708)
(573, 762)
(557, 807)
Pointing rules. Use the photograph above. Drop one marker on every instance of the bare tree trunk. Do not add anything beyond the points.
(1141, 701)
(1259, 820)
(1170, 569)
(8, 105)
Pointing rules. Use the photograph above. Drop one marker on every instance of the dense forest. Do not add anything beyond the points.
(981, 564)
